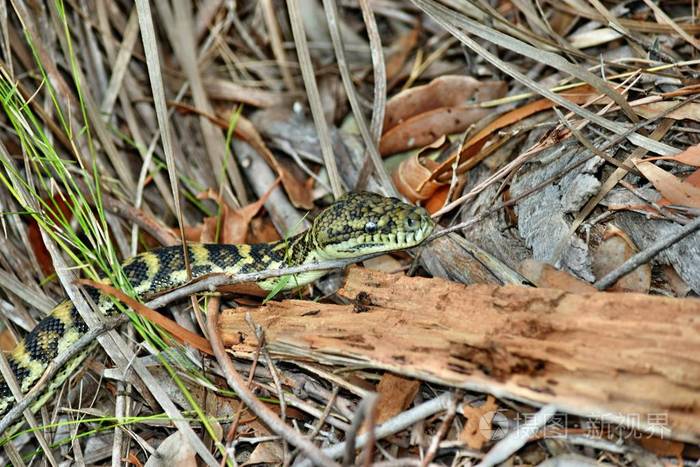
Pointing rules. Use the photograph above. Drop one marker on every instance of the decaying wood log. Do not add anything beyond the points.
(626, 358)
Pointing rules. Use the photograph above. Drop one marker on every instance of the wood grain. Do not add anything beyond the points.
(627, 358)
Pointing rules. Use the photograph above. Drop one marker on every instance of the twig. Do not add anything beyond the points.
(273, 31)
(236, 382)
(442, 431)
(646, 255)
(28, 415)
(363, 409)
(260, 336)
(213, 307)
(392, 426)
(517, 439)
(326, 412)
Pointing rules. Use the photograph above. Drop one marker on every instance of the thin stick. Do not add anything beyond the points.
(363, 409)
(442, 431)
(236, 382)
(646, 255)
(392, 426)
(517, 439)
(260, 336)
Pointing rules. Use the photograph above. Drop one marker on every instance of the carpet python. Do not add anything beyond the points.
(355, 225)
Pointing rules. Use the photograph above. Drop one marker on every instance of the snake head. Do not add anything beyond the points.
(362, 223)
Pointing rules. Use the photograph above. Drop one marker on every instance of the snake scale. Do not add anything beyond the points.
(355, 225)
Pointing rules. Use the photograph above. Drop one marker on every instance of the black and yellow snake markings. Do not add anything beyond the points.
(355, 225)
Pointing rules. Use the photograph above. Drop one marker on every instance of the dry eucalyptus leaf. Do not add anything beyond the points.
(446, 105)
(269, 453)
(593, 38)
(690, 156)
(173, 451)
(411, 177)
(546, 275)
(615, 249)
(671, 187)
(689, 111)
(234, 223)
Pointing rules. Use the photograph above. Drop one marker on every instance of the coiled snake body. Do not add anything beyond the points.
(357, 224)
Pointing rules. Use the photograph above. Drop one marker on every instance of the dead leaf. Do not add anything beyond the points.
(175, 450)
(264, 453)
(691, 156)
(437, 200)
(671, 188)
(416, 169)
(474, 144)
(478, 431)
(58, 202)
(446, 105)
(615, 249)
(234, 223)
(426, 127)
(262, 231)
(395, 395)
(401, 50)
(547, 276)
(7, 341)
(445, 91)
(592, 38)
(689, 111)
(663, 447)
(269, 453)
(384, 263)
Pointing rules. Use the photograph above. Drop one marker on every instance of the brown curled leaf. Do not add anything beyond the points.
(413, 171)
(446, 105)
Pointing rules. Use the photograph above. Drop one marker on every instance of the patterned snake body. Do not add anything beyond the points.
(357, 224)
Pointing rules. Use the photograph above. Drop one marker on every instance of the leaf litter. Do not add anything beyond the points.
(471, 131)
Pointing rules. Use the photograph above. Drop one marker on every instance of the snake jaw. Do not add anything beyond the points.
(397, 235)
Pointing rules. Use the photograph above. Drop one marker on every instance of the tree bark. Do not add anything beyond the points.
(630, 359)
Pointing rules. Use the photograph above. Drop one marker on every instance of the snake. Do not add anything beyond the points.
(357, 224)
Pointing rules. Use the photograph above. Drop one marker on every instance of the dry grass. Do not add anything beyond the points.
(119, 116)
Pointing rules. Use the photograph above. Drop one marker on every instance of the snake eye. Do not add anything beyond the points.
(371, 227)
(410, 223)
